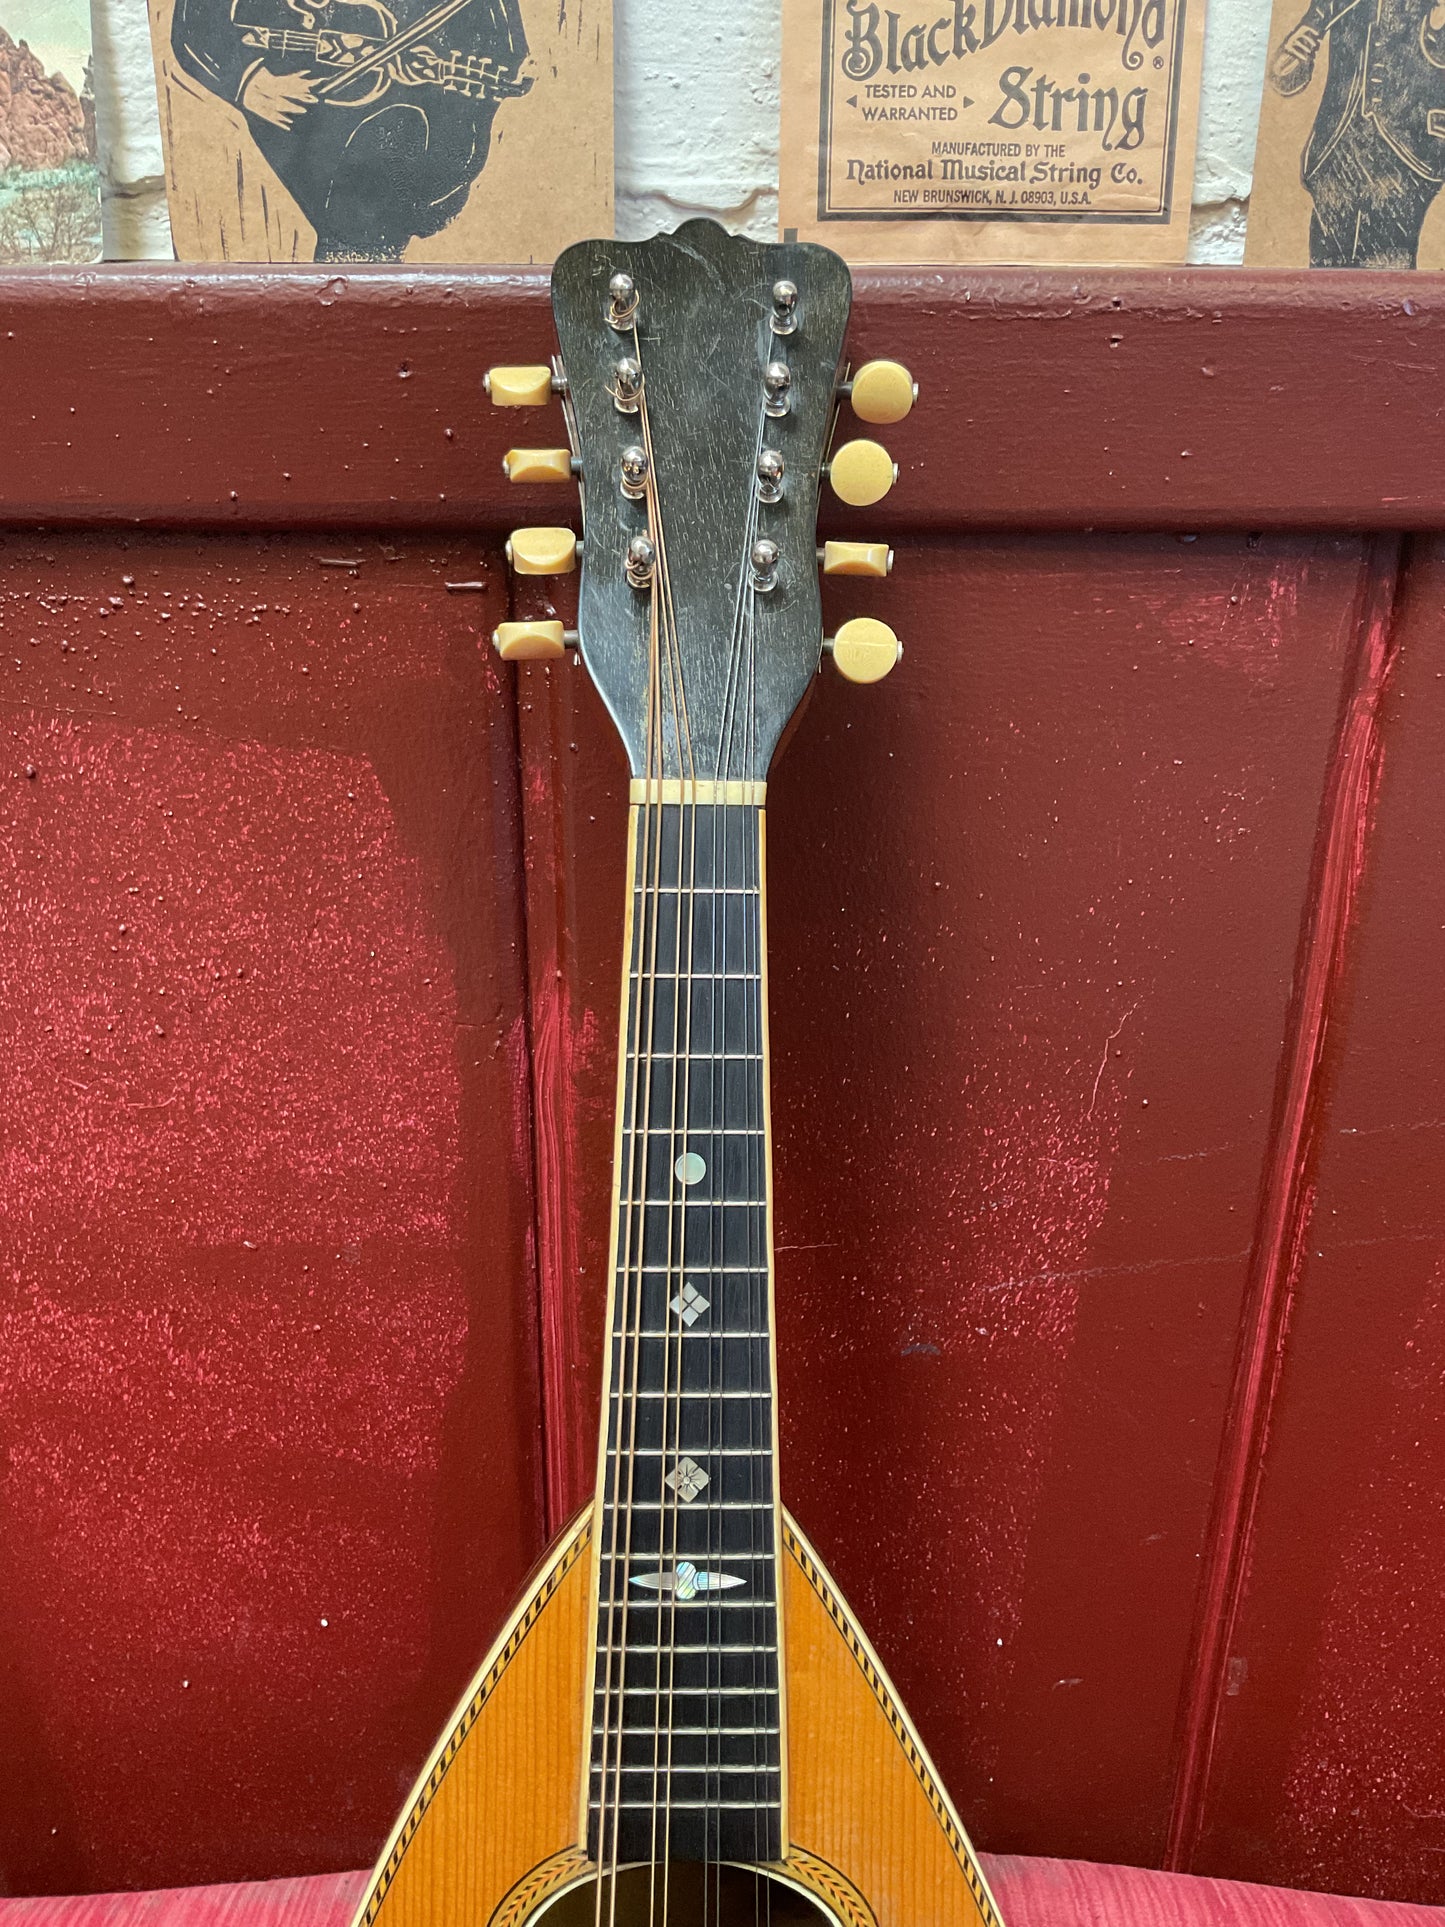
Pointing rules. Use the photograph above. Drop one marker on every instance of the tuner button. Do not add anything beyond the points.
(865, 650)
(519, 387)
(883, 392)
(529, 641)
(857, 558)
(861, 473)
(537, 465)
(543, 551)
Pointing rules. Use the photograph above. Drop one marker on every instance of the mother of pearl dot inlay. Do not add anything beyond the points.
(690, 1168)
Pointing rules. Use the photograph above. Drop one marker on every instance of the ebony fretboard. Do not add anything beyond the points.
(687, 1714)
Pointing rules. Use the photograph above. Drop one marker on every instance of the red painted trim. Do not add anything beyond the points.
(275, 398)
(1288, 1195)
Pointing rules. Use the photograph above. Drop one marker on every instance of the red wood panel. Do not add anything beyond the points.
(302, 397)
(267, 1341)
(1063, 1057)
(1035, 905)
(1039, 905)
(1331, 1752)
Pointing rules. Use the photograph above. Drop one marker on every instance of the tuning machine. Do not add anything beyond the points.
(524, 386)
(861, 473)
(864, 650)
(882, 392)
(532, 641)
(873, 559)
(543, 551)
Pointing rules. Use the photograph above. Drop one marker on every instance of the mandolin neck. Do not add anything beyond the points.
(687, 1740)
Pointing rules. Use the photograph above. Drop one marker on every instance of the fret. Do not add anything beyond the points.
(699, 973)
(733, 1271)
(680, 1330)
(698, 1506)
(721, 1056)
(692, 1652)
(717, 1452)
(691, 1692)
(709, 1733)
(645, 1807)
(679, 1394)
(705, 1602)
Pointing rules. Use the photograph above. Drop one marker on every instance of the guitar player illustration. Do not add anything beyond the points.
(376, 117)
(1375, 158)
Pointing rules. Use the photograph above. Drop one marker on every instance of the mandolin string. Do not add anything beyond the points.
(642, 998)
(742, 614)
(743, 667)
(717, 1226)
(676, 1201)
(752, 903)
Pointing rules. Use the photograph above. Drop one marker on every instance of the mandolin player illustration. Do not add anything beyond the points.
(376, 117)
(1375, 158)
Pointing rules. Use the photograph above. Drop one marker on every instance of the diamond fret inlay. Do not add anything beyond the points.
(687, 1479)
(689, 1304)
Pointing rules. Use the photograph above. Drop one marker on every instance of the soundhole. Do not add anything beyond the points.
(697, 1896)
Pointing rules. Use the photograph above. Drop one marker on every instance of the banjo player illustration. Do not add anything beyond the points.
(376, 115)
(1375, 159)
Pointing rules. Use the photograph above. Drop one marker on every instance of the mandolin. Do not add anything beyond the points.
(682, 1725)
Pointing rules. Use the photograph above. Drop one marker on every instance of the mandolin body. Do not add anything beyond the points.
(491, 1833)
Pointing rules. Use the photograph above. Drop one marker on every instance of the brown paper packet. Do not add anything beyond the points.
(546, 182)
(991, 130)
(1354, 96)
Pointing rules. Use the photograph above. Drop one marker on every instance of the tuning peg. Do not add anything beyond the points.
(529, 387)
(861, 473)
(864, 650)
(538, 465)
(543, 551)
(881, 392)
(856, 558)
(532, 641)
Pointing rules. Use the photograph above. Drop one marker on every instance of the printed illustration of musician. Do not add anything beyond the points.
(1375, 159)
(377, 120)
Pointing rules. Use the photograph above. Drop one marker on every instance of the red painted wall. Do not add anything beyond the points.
(1107, 1059)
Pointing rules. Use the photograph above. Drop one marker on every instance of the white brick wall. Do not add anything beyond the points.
(696, 124)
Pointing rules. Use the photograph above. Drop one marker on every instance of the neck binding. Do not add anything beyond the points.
(687, 1728)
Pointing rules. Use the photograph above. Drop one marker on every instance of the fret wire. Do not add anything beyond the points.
(689, 1692)
(702, 1396)
(671, 1603)
(700, 1652)
(697, 1806)
(698, 1506)
(711, 1733)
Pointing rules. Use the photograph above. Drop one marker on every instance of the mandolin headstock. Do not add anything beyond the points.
(700, 373)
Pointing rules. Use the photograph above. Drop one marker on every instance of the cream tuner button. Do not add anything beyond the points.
(883, 392)
(857, 558)
(861, 473)
(538, 464)
(529, 387)
(542, 551)
(865, 650)
(529, 641)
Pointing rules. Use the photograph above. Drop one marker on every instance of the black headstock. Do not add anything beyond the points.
(701, 376)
